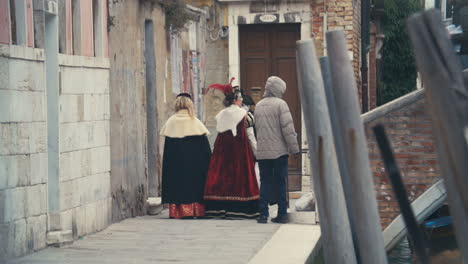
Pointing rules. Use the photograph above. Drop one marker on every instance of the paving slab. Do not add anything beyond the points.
(157, 239)
(291, 244)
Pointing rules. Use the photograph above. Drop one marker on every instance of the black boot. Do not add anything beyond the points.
(281, 219)
(262, 219)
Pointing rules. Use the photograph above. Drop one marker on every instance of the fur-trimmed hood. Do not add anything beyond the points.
(182, 125)
(228, 118)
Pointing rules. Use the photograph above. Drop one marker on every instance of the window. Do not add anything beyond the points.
(97, 27)
(14, 39)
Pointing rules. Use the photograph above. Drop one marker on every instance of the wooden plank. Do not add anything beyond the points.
(363, 199)
(336, 233)
(447, 102)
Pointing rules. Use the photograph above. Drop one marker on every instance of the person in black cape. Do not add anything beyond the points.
(186, 157)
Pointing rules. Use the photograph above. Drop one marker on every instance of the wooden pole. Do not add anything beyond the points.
(347, 186)
(336, 233)
(447, 102)
(363, 198)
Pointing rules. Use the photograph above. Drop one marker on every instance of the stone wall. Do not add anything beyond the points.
(409, 130)
(23, 151)
(129, 135)
(84, 186)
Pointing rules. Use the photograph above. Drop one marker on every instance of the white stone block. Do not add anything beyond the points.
(59, 238)
(8, 173)
(5, 241)
(38, 138)
(71, 108)
(38, 168)
(70, 165)
(66, 219)
(94, 188)
(36, 200)
(79, 216)
(84, 135)
(23, 169)
(4, 172)
(70, 194)
(32, 106)
(305, 203)
(105, 185)
(84, 80)
(99, 160)
(102, 212)
(155, 205)
(26, 75)
(96, 107)
(91, 209)
(20, 242)
(37, 228)
(86, 191)
(4, 73)
(14, 206)
(22, 138)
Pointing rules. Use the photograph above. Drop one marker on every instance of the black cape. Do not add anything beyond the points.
(185, 166)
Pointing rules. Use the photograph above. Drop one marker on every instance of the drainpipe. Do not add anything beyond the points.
(377, 13)
(325, 27)
(365, 20)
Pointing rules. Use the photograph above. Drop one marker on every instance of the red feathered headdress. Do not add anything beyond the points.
(225, 88)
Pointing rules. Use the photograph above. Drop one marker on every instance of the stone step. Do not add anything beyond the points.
(60, 238)
(296, 217)
(154, 205)
(303, 218)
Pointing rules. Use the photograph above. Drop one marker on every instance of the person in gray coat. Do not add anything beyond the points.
(276, 139)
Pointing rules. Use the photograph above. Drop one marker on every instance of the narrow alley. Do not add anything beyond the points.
(157, 239)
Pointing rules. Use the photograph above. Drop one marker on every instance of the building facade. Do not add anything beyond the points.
(54, 123)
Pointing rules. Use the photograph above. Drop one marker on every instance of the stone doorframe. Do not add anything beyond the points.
(239, 14)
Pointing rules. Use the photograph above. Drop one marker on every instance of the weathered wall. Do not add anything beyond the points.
(84, 148)
(23, 147)
(28, 214)
(409, 130)
(129, 184)
(85, 199)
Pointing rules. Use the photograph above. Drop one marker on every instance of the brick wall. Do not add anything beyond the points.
(408, 127)
(341, 14)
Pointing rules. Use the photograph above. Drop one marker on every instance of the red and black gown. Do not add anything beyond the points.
(186, 157)
(231, 189)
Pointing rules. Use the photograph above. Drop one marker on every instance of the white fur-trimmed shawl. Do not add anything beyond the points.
(182, 125)
(228, 118)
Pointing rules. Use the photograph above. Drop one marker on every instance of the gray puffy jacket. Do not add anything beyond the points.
(274, 124)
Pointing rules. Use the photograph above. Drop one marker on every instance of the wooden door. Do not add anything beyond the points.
(267, 50)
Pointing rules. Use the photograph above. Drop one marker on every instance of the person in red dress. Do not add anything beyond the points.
(231, 189)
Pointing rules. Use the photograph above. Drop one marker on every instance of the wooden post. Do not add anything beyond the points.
(363, 201)
(447, 102)
(336, 233)
(347, 186)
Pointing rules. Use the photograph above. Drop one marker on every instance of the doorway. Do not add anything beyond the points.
(266, 50)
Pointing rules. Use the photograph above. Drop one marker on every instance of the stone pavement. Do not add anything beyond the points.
(157, 239)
